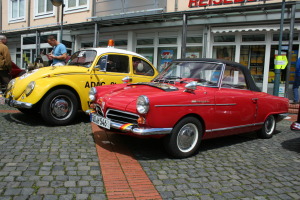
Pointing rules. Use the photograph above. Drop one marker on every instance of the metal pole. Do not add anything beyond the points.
(277, 71)
(287, 77)
(96, 35)
(184, 33)
(61, 22)
(38, 43)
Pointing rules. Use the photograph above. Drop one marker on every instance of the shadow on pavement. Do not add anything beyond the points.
(292, 145)
(36, 120)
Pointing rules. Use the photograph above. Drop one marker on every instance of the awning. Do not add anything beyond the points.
(272, 27)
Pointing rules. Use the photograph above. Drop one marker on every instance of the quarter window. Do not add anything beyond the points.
(17, 10)
(233, 78)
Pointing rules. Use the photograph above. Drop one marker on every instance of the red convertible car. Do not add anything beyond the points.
(191, 100)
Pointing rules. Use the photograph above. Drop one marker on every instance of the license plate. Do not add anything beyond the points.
(100, 121)
(2, 100)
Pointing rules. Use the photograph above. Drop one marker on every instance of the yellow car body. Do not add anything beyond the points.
(51, 90)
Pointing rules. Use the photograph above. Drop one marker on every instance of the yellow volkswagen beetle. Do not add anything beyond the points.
(57, 93)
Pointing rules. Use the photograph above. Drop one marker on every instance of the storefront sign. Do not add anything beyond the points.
(203, 3)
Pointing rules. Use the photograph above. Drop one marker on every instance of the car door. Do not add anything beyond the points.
(235, 104)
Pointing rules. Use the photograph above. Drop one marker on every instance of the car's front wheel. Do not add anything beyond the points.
(185, 138)
(268, 128)
(59, 107)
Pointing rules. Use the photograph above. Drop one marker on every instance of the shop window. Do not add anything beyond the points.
(146, 52)
(145, 42)
(285, 37)
(193, 52)
(193, 40)
(224, 52)
(17, 10)
(253, 57)
(167, 40)
(224, 38)
(253, 38)
(165, 56)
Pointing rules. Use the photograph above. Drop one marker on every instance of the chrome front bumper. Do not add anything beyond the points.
(17, 104)
(131, 128)
(140, 131)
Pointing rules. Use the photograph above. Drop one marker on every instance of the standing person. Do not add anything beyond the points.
(296, 82)
(59, 52)
(5, 64)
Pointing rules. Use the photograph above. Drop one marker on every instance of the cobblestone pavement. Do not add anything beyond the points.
(42, 162)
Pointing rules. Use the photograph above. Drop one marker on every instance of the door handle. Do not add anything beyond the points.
(254, 100)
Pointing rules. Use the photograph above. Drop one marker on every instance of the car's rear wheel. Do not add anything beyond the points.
(268, 128)
(185, 138)
(59, 107)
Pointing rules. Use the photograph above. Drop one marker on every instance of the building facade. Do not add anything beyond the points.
(245, 31)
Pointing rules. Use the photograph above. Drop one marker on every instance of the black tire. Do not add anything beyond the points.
(268, 128)
(59, 107)
(185, 138)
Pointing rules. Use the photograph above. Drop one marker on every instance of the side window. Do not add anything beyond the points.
(233, 78)
(141, 67)
(115, 63)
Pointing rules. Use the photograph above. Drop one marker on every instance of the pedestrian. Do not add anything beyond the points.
(296, 83)
(5, 64)
(59, 52)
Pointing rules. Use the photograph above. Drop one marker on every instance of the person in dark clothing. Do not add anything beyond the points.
(296, 82)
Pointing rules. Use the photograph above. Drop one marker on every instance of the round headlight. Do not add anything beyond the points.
(29, 88)
(10, 84)
(142, 104)
(92, 94)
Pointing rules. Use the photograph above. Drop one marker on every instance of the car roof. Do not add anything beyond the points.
(114, 50)
(245, 70)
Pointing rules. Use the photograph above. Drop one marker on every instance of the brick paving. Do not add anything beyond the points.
(43, 162)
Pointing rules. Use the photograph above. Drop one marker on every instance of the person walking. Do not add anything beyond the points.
(5, 64)
(296, 83)
(59, 52)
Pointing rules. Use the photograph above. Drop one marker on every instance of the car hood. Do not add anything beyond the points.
(125, 98)
(45, 72)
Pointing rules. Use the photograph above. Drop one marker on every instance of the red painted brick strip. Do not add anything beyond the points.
(123, 176)
(9, 111)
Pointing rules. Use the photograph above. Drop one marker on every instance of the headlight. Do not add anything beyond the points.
(142, 104)
(10, 84)
(29, 88)
(92, 94)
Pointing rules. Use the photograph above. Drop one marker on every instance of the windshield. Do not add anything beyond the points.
(83, 58)
(205, 73)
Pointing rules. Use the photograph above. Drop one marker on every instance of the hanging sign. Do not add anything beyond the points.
(280, 61)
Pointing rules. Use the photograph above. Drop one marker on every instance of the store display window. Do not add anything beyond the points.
(146, 52)
(253, 56)
(253, 38)
(193, 52)
(224, 52)
(224, 38)
(165, 57)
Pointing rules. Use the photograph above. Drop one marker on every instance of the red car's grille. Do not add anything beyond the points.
(122, 117)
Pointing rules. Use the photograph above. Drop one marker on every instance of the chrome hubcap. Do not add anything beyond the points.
(270, 124)
(187, 137)
(61, 107)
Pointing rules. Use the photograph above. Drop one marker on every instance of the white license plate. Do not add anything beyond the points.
(100, 121)
(2, 100)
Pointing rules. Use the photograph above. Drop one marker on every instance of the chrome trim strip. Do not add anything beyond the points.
(18, 104)
(180, 105)
(233, 127)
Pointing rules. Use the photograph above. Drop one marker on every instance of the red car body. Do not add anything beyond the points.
(187, 107)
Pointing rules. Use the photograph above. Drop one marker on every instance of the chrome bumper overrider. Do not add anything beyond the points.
(17, 104)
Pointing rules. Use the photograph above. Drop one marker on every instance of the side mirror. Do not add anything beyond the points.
(190, 87)
(127, 79)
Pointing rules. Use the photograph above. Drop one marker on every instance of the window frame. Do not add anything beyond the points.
(10, 13)
(76, 8)
(45, 13)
